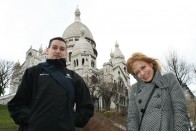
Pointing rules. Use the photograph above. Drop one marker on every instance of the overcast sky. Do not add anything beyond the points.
(149, 26)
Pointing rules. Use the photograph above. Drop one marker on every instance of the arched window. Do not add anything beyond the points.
(92, 63)
(125, 69)
(82, 61)
(70, 40)
(120, 86)
(77, 62)
(70, 56)
(76, 39)
(74, 63)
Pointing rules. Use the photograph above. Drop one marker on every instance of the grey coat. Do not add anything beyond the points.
(166, 110)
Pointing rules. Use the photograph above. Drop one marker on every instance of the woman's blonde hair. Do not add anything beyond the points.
(141, 57)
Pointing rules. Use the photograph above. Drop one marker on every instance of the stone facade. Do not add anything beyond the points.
(82, 54)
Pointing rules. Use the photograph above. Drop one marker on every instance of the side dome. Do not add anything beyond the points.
(73, 30)
(117, 52)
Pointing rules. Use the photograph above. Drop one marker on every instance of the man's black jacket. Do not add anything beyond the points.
(42, 104)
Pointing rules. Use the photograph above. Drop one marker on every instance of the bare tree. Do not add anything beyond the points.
(194, 70)
(179, 67)
(5, 74)
(93, 85)
(108, 90)
(98, 89)
(194, 73)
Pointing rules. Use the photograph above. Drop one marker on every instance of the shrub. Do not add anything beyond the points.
(108, 113)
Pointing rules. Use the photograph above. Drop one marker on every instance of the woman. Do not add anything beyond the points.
(156, 101)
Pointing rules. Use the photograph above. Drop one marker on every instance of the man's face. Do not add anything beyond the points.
(57, 50)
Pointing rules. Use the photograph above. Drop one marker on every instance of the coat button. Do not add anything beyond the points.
(158, 107)
(140, 101)
(158, 95)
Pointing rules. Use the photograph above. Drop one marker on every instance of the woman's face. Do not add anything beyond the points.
(143, 70)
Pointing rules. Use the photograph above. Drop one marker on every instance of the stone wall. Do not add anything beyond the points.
(5, 99)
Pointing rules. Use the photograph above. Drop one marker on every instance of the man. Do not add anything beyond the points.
(47, 94)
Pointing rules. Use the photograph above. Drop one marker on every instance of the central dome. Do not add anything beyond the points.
(83, 47)
(73, 30)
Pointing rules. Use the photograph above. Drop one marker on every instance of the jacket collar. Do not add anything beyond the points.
(58, 63)
(160, 80)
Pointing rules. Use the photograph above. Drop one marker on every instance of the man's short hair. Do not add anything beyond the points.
(57, 38)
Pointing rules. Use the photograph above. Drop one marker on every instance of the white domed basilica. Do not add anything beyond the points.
(108, 86)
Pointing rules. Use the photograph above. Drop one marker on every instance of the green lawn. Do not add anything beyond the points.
(6, 123)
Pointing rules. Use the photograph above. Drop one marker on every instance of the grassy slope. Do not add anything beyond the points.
(6, 123)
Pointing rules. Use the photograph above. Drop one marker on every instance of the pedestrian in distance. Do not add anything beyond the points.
(156, 101)
(51, 97)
